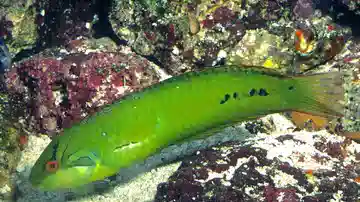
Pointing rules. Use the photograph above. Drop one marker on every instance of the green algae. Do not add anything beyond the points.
(24, 32)
(156, 7)
(261, 48)
(104, 43)
(10, 149)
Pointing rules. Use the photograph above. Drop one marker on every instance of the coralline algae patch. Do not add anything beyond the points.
(299, 166)
(60, 91)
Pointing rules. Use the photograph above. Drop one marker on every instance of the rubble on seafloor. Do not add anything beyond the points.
(299, 166)
(122, 46)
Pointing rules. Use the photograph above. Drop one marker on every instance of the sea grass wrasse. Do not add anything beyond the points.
(175, 110)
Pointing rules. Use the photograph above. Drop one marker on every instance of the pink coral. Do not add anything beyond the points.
(221, 15)
(273, 194)
(304, 8)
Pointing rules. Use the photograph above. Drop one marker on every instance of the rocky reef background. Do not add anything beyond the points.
(70, 58)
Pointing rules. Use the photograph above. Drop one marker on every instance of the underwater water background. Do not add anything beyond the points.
(62, 61)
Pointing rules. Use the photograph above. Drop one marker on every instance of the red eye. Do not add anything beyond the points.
(52, 166)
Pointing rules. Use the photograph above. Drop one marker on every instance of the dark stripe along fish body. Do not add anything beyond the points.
(175, 110)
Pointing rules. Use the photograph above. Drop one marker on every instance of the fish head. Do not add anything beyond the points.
(63, 164)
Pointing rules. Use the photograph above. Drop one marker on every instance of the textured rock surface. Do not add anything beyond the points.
(283, 167)
(59, 92)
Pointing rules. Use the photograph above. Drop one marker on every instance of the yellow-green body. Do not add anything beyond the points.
(174, 110)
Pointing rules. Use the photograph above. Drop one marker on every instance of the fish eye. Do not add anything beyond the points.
(52, 166)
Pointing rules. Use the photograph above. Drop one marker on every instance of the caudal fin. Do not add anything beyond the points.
(323, 94)
(352, 135)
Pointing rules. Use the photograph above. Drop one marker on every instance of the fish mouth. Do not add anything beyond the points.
(41, 184)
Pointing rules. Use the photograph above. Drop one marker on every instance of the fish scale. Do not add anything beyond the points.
(176, 110)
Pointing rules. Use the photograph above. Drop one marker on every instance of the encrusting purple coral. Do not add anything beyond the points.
(272, 168)
(62, 92)
(304, 8)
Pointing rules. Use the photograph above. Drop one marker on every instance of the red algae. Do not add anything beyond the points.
(221, 15)
(64, 91)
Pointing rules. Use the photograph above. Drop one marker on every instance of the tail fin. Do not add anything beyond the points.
(352, 135)
(323, 94)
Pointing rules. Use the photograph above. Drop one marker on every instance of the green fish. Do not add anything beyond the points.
(176, 110)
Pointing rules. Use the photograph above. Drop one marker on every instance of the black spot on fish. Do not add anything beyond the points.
(235, 95)
(252, 92)
(291, 88)
(262, 92)
(226, 98)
